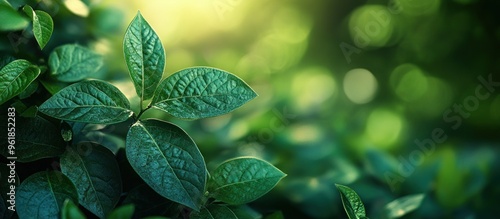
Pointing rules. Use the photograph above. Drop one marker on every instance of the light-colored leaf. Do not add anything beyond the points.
(403, 205)
(42, 195)
(71, 211)
(122, 212)
(168, 160)
(15, 77)
(90, 102)
(201, 92)
(43, 26)
(242, 180)
(96, 176)
(71, 63)
(353, 205)
(77, 7)
(10, 19)
(144, 55)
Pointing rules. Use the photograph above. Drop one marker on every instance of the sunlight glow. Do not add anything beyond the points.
(360, 85)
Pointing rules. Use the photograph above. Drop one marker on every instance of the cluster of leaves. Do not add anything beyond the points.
(92, 174)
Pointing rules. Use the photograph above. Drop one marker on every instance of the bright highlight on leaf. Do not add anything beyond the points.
(201, 92)
(10, 19)
(42, 25)
(95, 175)
(90, 102)
(353, 205)
(403, 205)
(16, 77)
(242, 180)
(71, 63)
(144, 55)
(71, 211)
(168, 160)
(42, 195)
(77, 7)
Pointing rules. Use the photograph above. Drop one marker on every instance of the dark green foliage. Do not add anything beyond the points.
(65, 123)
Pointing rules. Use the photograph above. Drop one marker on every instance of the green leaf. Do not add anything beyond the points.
(29, 90)
(168, 160)
(403, 205)
(242, 180)
(53, 86)
(90, 102)
(353, 205)
(201, 92)
(36, 138)
(11, 20)
(15, 77)
(42, 25)
(96, 176)
(6, 59)
(275, 215)
(122, 212)
(71, 211)
(144, 55)
(222, 211)
(5, 2)
(28, 10)
(71, 63)
(42, 195)
(77, 7)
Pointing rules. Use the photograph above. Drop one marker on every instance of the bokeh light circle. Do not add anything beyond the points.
(360, 86)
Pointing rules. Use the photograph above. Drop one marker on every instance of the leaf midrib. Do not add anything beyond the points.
(248, 181)
(166, 161)
(90, 181)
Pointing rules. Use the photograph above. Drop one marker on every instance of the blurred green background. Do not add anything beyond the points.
(388, 97)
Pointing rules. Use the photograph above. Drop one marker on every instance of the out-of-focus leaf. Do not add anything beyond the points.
(71, 211)
(450, 181)
(77, 7)
(122, 212)
(11, 19)
(403, 205)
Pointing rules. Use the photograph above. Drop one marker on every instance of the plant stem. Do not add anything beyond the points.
(142, 111)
